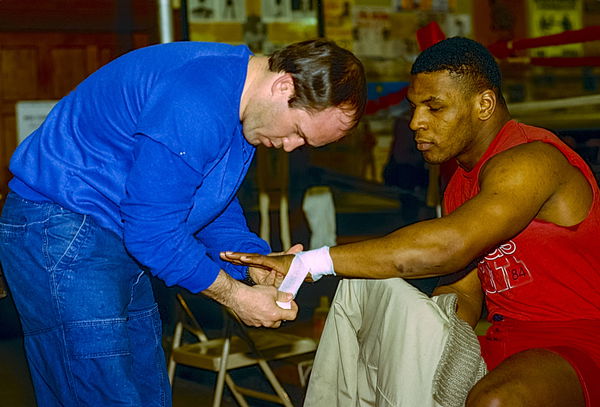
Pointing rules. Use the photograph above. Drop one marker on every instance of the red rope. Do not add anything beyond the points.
(431, 34)
(391, 99)
(566, 62)
(505, 49)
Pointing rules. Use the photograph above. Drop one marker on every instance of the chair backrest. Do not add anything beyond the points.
(238, 347)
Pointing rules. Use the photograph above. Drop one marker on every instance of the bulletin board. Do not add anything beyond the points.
(370, 28)
(548, 17)
(264, 25)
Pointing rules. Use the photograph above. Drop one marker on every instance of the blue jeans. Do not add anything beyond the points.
(92, 328)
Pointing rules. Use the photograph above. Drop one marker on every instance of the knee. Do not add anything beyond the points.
(486, 394)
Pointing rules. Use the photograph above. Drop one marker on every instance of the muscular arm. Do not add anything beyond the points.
(528, 181)
(515, 187)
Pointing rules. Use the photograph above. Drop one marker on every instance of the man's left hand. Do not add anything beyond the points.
(261, 275)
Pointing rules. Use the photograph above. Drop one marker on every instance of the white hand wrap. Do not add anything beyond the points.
(293, 280)
(317, 262)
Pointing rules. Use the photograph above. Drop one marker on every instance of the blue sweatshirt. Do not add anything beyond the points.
(151, 147)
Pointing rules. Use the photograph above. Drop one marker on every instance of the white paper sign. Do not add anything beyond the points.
(30, 114)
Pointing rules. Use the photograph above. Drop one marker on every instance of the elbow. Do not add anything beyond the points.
(434, 260)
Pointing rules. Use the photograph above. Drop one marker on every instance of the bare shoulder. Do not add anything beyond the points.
(541, 169)
(536, 155)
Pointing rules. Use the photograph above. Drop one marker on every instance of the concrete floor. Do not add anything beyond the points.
(192, 389)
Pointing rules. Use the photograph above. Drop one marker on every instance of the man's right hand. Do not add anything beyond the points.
(255, 305)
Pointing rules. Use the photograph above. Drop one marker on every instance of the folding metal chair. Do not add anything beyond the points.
(239, 347)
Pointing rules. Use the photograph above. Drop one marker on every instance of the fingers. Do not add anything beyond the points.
(297, 248)
(257, 307)
(230, 255)
(278, 279)
(270, 278)
(243, 259)
(262, 276)
(284, 297)
(260, 261)
(290, 314)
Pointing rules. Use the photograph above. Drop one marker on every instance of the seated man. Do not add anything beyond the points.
(522, 208)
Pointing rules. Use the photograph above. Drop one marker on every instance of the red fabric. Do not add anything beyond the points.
(576, 341)
(391, 99)
(429, 35)
(504, 49)
(565, 61)
(546, 272)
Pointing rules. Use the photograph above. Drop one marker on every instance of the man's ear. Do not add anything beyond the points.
(487, 104)
(283, 85)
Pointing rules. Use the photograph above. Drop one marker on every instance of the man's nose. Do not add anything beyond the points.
(291, 143)
(416, 121)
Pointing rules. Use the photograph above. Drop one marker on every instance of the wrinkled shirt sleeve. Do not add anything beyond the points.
(159, 194)
(230, 232)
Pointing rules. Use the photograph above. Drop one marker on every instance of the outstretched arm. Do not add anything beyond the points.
(516, 186)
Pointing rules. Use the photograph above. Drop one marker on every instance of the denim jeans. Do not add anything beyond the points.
(92, 328)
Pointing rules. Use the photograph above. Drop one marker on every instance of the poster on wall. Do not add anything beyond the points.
(304, 9)
(30, 114)
(457, 25)
(339, 22)
(547, 17)
(276, 10)
(372, 32)
(442, 6)
(205, 11)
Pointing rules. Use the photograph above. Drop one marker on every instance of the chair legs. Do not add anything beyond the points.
(176, 342)
(193, 354)
(222, 373)
(285, 399)
(223, 376)
(236, 394)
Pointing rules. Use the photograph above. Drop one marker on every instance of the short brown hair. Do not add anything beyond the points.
(325, 75)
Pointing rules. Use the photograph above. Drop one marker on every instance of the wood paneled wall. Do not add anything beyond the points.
(48, 46)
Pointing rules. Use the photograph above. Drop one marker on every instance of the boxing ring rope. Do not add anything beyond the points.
(432, 33)
(523, 108)
(507, 49)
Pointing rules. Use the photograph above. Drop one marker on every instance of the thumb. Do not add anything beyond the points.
(297, 248)
(284, 297)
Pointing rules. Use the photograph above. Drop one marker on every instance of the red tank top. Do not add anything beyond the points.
(546, 272)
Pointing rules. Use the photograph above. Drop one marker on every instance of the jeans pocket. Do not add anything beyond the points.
(64, 235)
(11, 230)
(97, 338)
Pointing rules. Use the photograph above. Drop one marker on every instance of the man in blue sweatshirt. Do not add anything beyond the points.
(137, 170)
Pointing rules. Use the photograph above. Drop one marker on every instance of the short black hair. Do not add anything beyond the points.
(325, 75)
(464, 58)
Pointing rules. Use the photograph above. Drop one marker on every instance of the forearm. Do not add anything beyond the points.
(224, 290)
(425, 249)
